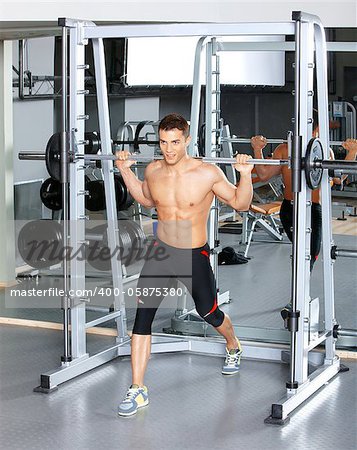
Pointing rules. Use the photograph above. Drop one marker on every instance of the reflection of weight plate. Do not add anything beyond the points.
(98, 252)
(137, 237)
(314, 152)
(97, 249)
(51, 194)
(40, 243)
(128, 251)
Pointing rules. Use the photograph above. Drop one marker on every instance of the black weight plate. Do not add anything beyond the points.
(40, 243)
(93, 145)
(53, 156)
(138, 129)
(95, 200)
(129, 199)
(51, 194)
(123, 197)
(313, 153)
(120, 191)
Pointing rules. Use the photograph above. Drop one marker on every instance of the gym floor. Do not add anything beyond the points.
(192, 406)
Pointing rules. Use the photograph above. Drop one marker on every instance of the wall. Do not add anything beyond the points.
(332, 13)
(33, 119)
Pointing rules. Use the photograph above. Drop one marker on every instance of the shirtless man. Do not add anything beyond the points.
(266, 172)
(181, 189)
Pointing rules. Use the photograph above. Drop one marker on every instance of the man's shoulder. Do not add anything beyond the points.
(281, 151)
(209, 172)
(152, 167)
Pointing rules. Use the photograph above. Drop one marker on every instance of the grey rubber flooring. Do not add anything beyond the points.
(192, 406)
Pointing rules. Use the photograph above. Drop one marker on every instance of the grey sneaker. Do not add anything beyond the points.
(232, 362)
(135, 398)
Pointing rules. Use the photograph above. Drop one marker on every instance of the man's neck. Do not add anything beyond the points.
(180, 167)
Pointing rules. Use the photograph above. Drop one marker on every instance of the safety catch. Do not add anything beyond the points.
(291, 319)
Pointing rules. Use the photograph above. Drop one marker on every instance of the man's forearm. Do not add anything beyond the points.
(135, 187)
(262, 171)
(244, 193)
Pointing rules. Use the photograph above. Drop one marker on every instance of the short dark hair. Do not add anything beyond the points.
(172, 121)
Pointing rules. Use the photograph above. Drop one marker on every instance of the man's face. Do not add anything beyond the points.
(173, 145)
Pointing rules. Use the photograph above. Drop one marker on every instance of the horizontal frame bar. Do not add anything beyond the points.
(294, 398)
(188, 29)
(280, 46)
(103, 319)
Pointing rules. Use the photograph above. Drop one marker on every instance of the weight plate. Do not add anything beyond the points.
(138, 129)
(129, 200)
(123, 198)
(314, 151)
(51, 194)
(127, 250)
(93, 145)
(40, 243)
(95, 200)
(53, 156)
(138, 238)
(97, 251)
(120, 192)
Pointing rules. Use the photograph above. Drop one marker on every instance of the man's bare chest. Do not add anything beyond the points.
(181, 192)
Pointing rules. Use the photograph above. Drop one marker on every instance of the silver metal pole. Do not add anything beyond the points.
(196, 97)
(207, 159)
(65, 209)
(347, 332)
(237, 140)
(296, 187)
(345, 253)
(37, 156)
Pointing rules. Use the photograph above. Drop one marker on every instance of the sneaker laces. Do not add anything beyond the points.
(131, 394)
(232, 357)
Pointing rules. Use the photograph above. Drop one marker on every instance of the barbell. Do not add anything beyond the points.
(312, 164)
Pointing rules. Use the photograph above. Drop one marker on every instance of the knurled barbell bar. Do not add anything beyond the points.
(313, 164)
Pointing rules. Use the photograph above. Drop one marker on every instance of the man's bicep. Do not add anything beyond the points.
(224, 190)
(146, 191)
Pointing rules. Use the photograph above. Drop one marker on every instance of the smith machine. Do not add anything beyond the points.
(309, 159)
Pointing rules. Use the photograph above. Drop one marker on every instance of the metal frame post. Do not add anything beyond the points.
(77, 211)
(65, 209)
(107, 168)
(302, 384)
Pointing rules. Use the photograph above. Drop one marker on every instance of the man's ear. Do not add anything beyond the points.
(188, 140)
